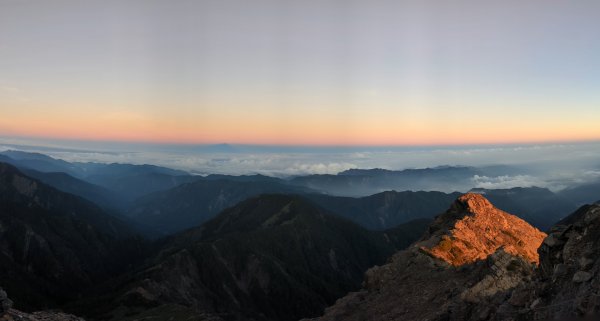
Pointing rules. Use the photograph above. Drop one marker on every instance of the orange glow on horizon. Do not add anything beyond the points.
(317, 132)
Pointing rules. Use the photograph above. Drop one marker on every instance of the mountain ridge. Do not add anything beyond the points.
(270, 257)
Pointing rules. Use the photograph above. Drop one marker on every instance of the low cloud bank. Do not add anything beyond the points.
(552, 166)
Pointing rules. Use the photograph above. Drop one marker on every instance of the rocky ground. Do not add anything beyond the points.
(566, 283)
(9, 314)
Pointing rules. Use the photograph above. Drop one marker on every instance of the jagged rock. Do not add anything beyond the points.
(5, 302)
(476, 230)
(8, 314)
(552, 240)
(581, 276)
(586, 263)
(560, 270)
(14, 315)
(573, 257)
(535, 303)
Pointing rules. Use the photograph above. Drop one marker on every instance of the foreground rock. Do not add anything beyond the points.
(14, 315)
(566, 283)
(8, 314)
(464, 268)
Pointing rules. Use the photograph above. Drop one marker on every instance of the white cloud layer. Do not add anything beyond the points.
(506, 181)
(552, 166)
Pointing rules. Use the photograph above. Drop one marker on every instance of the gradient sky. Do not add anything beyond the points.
(314, 72)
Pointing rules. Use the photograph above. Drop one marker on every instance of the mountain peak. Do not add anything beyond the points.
(473, 203)
(473, 229)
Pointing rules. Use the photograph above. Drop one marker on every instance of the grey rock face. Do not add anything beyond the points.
(5, 302)
(8, 314)
(581, 276)
(575, 252)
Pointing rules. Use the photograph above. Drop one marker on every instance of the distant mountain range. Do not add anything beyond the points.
(116, 185)
(161, 200)
(191, 204)
(362, 182)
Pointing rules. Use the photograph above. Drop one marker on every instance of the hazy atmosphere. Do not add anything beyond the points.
(554, 166)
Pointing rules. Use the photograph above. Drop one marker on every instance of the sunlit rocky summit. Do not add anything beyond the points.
(473, 229)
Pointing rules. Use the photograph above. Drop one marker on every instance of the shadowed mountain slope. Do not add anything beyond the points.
(99, 195)
(388, 209)
(191, 204)
(54, 245)
(582, 194)
(272, 257)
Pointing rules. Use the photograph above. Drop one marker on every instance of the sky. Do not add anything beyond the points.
(277, 72)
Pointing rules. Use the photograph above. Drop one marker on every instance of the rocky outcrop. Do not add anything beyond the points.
(8, 314)
(14, 315)
(5, 302)
(472, 229)
(567, 282)
(464, 268)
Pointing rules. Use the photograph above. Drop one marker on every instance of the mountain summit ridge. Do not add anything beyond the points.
(473, 228)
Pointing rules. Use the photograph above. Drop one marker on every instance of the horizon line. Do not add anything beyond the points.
(289, 145)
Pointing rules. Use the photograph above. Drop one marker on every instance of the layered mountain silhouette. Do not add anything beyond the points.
(54, 245)
(40, 162)
(362, 182)
(125, 182)
(99, 195)
(387, 209)
(582, 194)
(132, 181)
(126, 189)
(191, 204)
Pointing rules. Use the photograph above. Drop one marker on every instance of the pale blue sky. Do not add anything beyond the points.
(342, 68)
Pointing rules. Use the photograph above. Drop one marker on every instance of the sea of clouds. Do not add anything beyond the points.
(550, 165)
